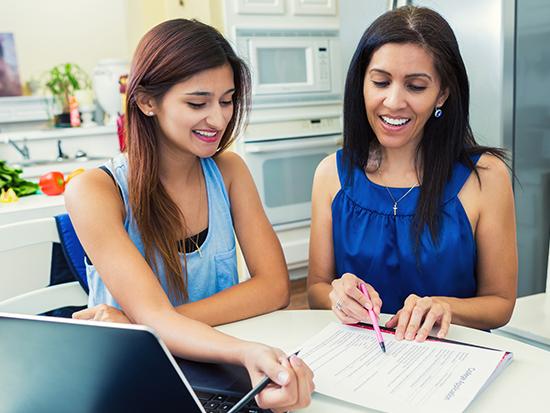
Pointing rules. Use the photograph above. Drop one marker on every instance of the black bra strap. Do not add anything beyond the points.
(108, 172)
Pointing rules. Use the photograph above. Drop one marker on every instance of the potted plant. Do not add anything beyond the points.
(63, 81)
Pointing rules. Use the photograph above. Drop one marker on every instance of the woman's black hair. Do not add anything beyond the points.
(445, 140)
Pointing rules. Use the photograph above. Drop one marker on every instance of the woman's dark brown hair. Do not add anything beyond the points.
(446, 140)
(168, 54)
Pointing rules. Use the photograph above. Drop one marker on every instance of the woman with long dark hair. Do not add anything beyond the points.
(412, 206)
(158, 223)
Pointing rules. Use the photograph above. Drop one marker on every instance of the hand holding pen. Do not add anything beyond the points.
(348, 302)
(280, 383)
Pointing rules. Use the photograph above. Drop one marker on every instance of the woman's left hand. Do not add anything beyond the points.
(417, 317)
(102, 312)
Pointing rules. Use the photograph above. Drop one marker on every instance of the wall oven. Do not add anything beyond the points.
(283, 165)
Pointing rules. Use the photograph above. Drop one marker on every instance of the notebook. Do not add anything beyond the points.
(50, 364)
(434, 376)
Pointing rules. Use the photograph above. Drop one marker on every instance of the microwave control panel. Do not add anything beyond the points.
(324, 65)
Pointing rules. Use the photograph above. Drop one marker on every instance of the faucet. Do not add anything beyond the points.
(23, 150)
(61, 156)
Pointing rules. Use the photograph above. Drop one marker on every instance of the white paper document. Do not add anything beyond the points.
(434, 376)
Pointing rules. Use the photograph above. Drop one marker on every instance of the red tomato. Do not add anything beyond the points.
(52, 183)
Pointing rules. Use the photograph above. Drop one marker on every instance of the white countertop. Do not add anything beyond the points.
(530, 321)
(521, 387)
(31, 207)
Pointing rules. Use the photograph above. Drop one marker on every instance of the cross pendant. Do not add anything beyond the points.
(394, 208)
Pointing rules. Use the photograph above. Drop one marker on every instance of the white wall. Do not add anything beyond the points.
(48, 32)
(355, 17)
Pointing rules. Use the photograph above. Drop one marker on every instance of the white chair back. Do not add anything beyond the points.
(25, 263)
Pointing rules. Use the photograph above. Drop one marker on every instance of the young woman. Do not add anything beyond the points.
(158, 222)
(412, 206)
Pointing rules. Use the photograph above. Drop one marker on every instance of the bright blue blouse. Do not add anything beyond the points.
(372, 243)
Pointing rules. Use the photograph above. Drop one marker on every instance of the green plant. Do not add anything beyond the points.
(64, 80)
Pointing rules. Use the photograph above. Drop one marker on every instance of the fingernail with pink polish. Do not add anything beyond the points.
(296, 360)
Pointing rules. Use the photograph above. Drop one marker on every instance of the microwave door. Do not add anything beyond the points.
(282, 66)
(281, 69)
(283, 172)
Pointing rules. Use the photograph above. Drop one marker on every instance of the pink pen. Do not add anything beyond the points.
(374, 319)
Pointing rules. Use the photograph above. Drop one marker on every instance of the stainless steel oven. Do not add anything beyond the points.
(283, 165)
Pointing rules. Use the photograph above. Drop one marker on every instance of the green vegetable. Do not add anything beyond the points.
(9, 178)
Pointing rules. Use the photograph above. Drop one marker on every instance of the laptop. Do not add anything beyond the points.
(50, 364)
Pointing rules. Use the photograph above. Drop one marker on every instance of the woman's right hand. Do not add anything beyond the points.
(292, 380)
(348, 302)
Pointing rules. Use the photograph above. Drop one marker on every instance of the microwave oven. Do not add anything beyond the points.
(290, 66)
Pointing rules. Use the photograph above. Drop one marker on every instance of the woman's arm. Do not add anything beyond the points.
(97, 213)
(342, 295)
(321, 267)
(497, 260)
(94, 205)
(490, 209)
(268, 288)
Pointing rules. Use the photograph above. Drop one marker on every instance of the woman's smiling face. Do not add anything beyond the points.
(194, 113)
(401, 90)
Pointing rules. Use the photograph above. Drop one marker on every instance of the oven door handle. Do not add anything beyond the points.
(296, 144)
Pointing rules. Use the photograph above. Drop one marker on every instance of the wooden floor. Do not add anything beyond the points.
(298, 295)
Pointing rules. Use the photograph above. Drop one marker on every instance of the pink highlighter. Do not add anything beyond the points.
(374, 319)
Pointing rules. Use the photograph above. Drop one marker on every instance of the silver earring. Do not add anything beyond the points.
(438, 112)
(150, 113)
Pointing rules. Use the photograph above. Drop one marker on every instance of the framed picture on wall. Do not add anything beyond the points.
(10, 85)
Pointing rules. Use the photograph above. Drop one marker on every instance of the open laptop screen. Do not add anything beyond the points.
(56, 365)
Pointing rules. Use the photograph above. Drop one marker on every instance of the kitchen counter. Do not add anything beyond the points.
(31, 207)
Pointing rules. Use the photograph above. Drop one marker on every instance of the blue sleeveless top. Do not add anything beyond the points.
(378, 247)
(211, 269)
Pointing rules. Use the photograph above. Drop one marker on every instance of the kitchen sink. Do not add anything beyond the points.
(87, 158)
(32, 162)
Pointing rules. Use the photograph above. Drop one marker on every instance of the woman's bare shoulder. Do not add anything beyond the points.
(232, 168)
(493, 171)
(326, 178)
(92, 190)
(229, 162)
(327, 167)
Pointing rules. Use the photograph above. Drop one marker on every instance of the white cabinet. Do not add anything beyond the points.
(295, 243)
(24, 111)
(280, 14)
(295, 7)
(314, 7)
(260, 6)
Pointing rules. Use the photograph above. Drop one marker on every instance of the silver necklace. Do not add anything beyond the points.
(395, 202)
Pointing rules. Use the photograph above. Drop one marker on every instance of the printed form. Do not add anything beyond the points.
(433, 376)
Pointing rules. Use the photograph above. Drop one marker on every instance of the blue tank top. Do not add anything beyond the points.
(372, 243)
(211, 269)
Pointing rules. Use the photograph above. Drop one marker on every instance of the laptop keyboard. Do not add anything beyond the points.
(219, 403)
